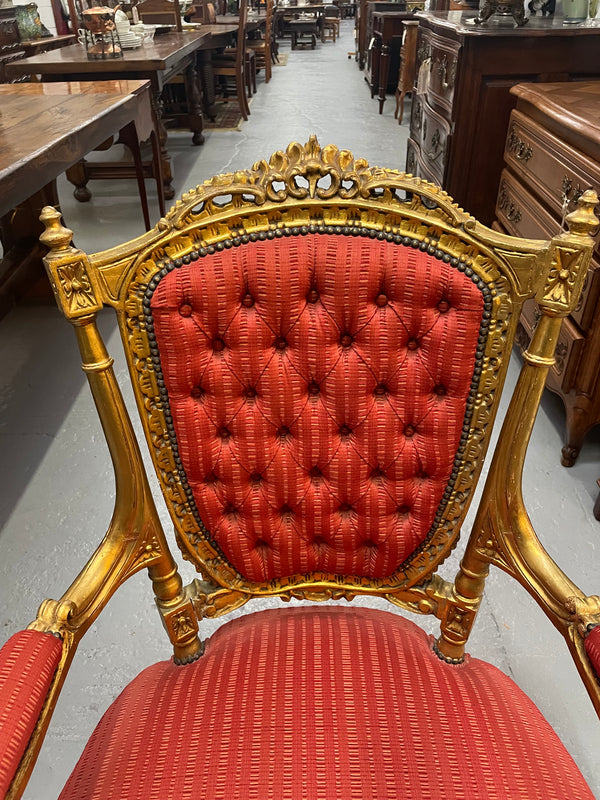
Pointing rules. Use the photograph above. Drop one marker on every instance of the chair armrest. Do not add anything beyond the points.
(28, 662)
(592, 648)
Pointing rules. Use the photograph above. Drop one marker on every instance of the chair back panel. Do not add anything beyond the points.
(318, 389)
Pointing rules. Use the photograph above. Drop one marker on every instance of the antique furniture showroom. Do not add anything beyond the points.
(306, 399)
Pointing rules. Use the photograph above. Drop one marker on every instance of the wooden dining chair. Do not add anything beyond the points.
(408, 66)
(330, 23)
(262, 48)
(234, 63)
(317, 350)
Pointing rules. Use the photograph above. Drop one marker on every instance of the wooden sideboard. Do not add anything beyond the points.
(460, 117)
(552, 155)
(383, 63)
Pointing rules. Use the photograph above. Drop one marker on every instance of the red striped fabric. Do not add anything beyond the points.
(592, 648)
(28, 662)
(324, 703)
(318, 387)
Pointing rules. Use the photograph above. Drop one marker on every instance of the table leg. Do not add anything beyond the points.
(194, 101)
(384, 68)
(207, 82)
(165, 159)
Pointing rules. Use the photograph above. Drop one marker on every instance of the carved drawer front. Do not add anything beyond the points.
(415, 165)
(442, 73)
(548, 165)
(434, 143)
(568, 348)
(519, 213)
(586, 307)
(416, 118)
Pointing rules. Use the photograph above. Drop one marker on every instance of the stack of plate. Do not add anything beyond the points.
(129, 40)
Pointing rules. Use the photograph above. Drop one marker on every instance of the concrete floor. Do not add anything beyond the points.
(57, 476)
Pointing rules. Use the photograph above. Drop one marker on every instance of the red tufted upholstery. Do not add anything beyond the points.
(28, 662)
(592, 647)
(276, 710)
(290, 472)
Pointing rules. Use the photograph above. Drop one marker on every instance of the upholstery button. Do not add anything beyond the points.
(248, 300)
(312, 296)
(370, 544)
(422, 475)
(345, 508)
(412, 344)
(315, 472)
(409, 431)
(381, 300)
(313, 388)
(380, 390)
(230, 509)
(443, 306)
(285, 510)
(377, 473)
(319, 541)
(260, 544)
(218, 345)
(283, 431)
(280, 343)
(403, 510)
(224, 433)
(346, 340)
(185, 310)
(249, 392)
(197, 392)
(345, 430)
(211, 479)
(440, 389)
(255, 478)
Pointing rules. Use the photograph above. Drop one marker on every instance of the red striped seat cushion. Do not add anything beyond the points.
(320, 704)
(28, 662)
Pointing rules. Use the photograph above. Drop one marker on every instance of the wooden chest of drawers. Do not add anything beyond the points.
(460, 116)
(552, 155)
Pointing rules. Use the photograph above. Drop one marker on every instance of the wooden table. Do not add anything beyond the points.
(157, 62)
(44, 129)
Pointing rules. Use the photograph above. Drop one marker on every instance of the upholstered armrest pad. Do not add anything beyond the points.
(28, 662)
(592, 648)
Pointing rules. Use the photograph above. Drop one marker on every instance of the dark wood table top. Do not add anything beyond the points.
(156, 56)
(46, 128)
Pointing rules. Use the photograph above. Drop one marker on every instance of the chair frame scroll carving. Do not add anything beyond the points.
(303, 191)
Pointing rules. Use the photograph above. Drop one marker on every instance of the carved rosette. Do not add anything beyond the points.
(313, 190)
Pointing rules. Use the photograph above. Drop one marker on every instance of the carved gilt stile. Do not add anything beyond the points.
(502, 532)
(135, 538)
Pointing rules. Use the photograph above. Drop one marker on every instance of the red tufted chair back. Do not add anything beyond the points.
(318, 386)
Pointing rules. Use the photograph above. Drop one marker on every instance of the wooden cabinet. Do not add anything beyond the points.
(383, 64)
(465, 72)
(363, 27)
(552, 155)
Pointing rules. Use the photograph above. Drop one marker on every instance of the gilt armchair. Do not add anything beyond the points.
(317, 349)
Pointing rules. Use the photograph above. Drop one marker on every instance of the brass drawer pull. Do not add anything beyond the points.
(447, 76)
(511, 211)
(521, 149)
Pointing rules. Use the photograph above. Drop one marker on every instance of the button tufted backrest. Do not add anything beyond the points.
(319, 388)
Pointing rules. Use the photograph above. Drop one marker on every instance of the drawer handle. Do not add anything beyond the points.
(437, 149)
(511, 211)
(447, 76)
(521, 149)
